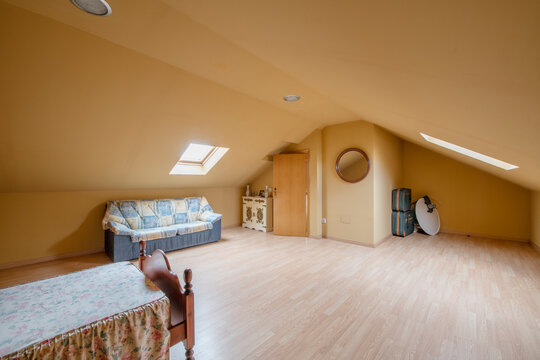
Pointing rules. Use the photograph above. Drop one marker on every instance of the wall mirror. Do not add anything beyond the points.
(352, 165)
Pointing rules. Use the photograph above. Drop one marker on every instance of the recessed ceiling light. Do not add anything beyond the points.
(291, 98)
(487, 159)
(94, 7)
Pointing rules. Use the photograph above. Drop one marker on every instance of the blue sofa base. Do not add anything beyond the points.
(121, 248)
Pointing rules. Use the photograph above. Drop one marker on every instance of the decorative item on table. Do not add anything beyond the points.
(247, 190)
(266, 192)
(261, 193)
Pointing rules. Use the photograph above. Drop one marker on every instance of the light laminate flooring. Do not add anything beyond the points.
(261, 296)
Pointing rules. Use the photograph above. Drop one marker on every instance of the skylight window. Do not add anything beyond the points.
(487, 159)
(196, 153)
(198, 159)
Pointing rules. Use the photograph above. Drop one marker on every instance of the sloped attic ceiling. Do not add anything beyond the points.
(81, 113)
(463, 71)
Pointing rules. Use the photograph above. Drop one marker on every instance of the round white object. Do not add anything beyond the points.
(428, 221)
(94, 7)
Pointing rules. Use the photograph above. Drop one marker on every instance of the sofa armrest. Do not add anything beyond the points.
(118, 229)
(209, 216)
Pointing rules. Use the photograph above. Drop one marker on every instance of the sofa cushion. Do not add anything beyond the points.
(148, 214)
(193, 227)
(153, 233)
(130, 211)
(169, 231)
(194, 205)
(180, 211)
(165, 213)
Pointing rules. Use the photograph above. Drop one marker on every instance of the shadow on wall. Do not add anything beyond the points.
(89, 234)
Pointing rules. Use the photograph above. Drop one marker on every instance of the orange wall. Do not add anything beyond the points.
(388, 172)
(535, 219)
(43, 224)
(469, 200)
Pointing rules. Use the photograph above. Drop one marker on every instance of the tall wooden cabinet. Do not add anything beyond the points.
(257, 213)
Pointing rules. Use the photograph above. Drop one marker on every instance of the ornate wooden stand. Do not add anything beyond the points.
(157, 268)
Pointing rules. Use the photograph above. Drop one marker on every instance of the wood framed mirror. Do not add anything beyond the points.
(352, 165)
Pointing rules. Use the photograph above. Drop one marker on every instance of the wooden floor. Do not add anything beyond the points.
(260, 296)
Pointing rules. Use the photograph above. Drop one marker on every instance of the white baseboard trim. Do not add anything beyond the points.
(350, 241)
(48, 258)
(483, 236)
(383, 240)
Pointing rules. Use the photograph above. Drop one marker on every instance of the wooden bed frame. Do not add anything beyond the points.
(157, 268)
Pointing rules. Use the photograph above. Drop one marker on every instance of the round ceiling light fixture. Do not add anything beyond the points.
(94, 7)
(291, 98)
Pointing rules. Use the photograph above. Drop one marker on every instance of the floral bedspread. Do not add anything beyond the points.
(107, 312)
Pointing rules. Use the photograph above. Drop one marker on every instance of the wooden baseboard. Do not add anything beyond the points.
(535, 247)
(231, 226)
(349, 241)
(48, 258)
(318, 237)
(482, 236)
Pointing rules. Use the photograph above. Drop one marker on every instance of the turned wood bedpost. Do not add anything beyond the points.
(142, 254)
(189, 311)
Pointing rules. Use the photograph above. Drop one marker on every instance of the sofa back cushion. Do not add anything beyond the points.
(165, 212)
(147, 214)
(194, 205)
(131, 212)
(180, 211)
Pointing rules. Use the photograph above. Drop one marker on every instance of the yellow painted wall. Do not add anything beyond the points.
(387, 167)
(42, 224)
(347, 207)
(263, 179)
(312, 143)
(469, 200)
(535, 219)
(369, 221)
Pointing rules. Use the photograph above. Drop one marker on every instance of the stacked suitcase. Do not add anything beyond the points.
(402, 214)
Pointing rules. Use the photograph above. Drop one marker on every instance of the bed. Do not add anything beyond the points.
(115, 311)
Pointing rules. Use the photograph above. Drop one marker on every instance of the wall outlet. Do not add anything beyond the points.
(345, 219)
(324, 220)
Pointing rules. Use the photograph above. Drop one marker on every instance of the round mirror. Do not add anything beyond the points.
(352, 165)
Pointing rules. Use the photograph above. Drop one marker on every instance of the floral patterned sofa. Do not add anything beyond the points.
(166, 224)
